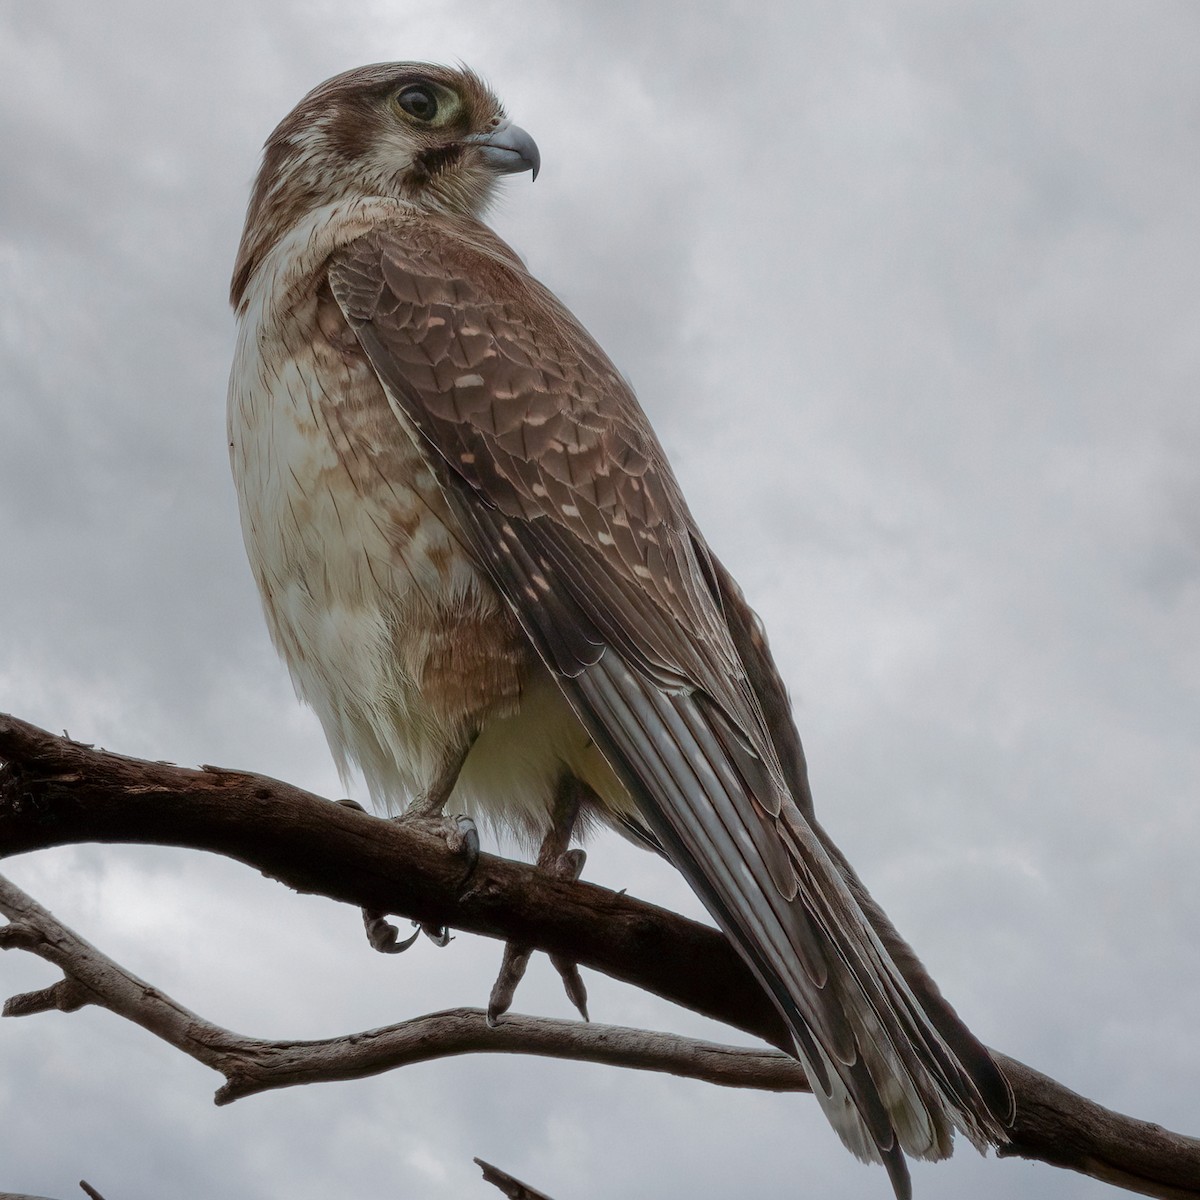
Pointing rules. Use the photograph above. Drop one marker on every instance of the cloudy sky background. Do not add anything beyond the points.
(911, 294)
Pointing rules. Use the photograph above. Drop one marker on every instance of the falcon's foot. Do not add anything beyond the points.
(461, 836)
(459, 833)
(556, 861)
(516, 956)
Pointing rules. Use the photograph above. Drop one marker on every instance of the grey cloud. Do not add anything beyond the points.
(910, 294)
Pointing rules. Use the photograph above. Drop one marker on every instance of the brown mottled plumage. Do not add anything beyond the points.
(483, 576)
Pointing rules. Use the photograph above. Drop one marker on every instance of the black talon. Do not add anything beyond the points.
(573, 984)
(439, 935)
(383, 935)
(464, 840)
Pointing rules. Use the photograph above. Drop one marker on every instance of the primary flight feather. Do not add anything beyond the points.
(483, 576)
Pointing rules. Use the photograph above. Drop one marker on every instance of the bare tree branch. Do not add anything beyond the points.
(83, 1183)
(252, 1065)
(56, 792)
(514, 1189)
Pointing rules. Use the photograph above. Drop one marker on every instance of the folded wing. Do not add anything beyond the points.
(567, 502)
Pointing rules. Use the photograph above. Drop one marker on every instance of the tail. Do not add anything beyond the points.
(955, 1084)
(931, 1074)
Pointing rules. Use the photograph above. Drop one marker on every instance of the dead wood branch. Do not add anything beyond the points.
(252, 1065)
(57, 792)
(514, 1189)
(87, 1188)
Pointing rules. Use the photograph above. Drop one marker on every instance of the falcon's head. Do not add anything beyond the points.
(432, 136)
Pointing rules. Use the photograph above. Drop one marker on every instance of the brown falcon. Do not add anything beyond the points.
(484, 578)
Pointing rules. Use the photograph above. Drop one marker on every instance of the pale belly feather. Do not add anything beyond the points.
(371, 599)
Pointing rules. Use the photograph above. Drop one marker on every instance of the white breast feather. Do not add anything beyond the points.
(332, 583)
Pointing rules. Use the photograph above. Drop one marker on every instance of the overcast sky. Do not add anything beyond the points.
(912, 295)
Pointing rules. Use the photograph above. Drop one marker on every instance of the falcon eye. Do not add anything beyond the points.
(418, 102)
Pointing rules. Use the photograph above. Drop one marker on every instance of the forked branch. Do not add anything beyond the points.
(55, 792)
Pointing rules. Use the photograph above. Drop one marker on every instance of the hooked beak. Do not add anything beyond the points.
(508, 149)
